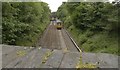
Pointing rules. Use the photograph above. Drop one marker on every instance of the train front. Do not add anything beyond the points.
(59, 24)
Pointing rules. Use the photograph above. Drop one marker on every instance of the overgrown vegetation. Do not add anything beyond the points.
(94, 26)
(23, 22)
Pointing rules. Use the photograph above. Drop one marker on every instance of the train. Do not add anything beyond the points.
(59, 24)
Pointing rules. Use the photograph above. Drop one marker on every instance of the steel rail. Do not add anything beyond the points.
(73, 41)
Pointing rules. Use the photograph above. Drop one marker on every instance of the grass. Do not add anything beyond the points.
(84, 65)
(46, 56)
(21, 53)
(91, 41)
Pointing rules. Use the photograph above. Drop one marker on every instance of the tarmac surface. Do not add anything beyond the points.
(30, 57)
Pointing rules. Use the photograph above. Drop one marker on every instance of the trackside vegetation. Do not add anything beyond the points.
(23, 22)
(93, 25)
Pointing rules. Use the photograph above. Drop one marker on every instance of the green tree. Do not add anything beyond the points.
(23, 22)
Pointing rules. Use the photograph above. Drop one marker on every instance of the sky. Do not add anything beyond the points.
(54, 4)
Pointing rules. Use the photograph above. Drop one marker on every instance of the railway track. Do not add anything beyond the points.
(57, 39)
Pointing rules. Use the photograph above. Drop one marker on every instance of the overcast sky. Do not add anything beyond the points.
(54, 4)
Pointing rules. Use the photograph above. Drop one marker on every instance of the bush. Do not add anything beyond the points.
(83, 39)
(22, 22)
(92, 25)
(89, 33)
